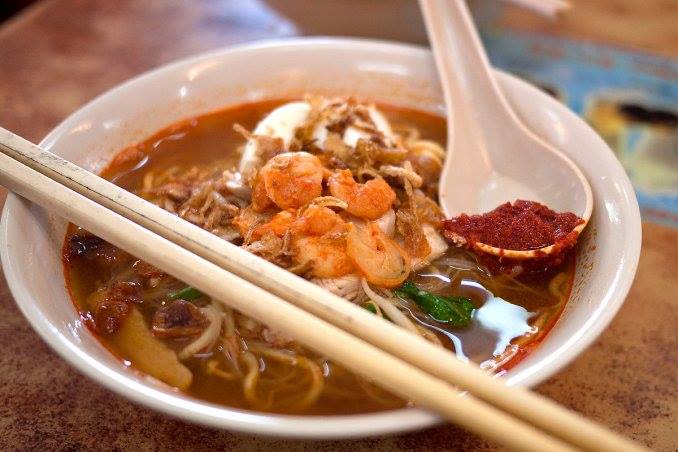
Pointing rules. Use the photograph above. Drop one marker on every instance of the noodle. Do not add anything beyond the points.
(558, 285)
(229, 340)
(251, 379)
(513, 281)
(212, 368)
(209, 337)
(316, 375)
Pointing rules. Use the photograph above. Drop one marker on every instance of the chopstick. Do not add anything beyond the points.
(181, 236)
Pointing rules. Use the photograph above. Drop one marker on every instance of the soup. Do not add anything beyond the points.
(338, 191)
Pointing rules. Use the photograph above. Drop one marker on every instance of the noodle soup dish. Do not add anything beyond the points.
(340, 191)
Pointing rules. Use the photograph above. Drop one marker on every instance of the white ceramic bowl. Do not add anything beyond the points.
(398, 74)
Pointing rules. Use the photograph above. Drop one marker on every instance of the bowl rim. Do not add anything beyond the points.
(288, 426)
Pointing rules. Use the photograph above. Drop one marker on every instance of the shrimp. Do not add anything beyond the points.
(319, 220)
(314, 221)
(278, 225)
(319, 242)
(370, 200)
(326, 256)
(290, 180)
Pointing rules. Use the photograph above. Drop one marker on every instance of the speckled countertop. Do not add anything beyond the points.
(61, 53)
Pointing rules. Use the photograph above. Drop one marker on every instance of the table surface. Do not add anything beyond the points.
(61, 53)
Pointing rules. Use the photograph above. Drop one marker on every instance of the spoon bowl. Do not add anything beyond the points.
(492, 157)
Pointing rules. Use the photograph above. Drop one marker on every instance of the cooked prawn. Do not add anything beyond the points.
(290, 180)
(314, 221)
(326, 256)
(318, 240)
(278, 225)
(319, 220)
(370, 200)
(317, 236)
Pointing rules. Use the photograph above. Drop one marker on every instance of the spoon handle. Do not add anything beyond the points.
(463, 67)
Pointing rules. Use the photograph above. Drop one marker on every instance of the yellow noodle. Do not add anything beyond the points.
(557, 285)
(212, 368)
(317, 378)
(251, 379)
(520, 286)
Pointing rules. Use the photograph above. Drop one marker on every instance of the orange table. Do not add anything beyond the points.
(61, 53)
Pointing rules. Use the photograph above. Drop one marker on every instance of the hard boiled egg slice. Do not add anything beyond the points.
(280, 123)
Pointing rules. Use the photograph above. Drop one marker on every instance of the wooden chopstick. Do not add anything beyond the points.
(409, 347)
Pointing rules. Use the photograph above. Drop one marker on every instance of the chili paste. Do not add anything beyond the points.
(521, 226)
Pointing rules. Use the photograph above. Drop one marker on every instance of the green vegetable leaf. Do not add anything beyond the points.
(456, 311)
(370, 307)
(188, 293)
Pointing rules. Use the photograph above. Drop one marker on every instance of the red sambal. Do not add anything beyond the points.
(521, 226)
